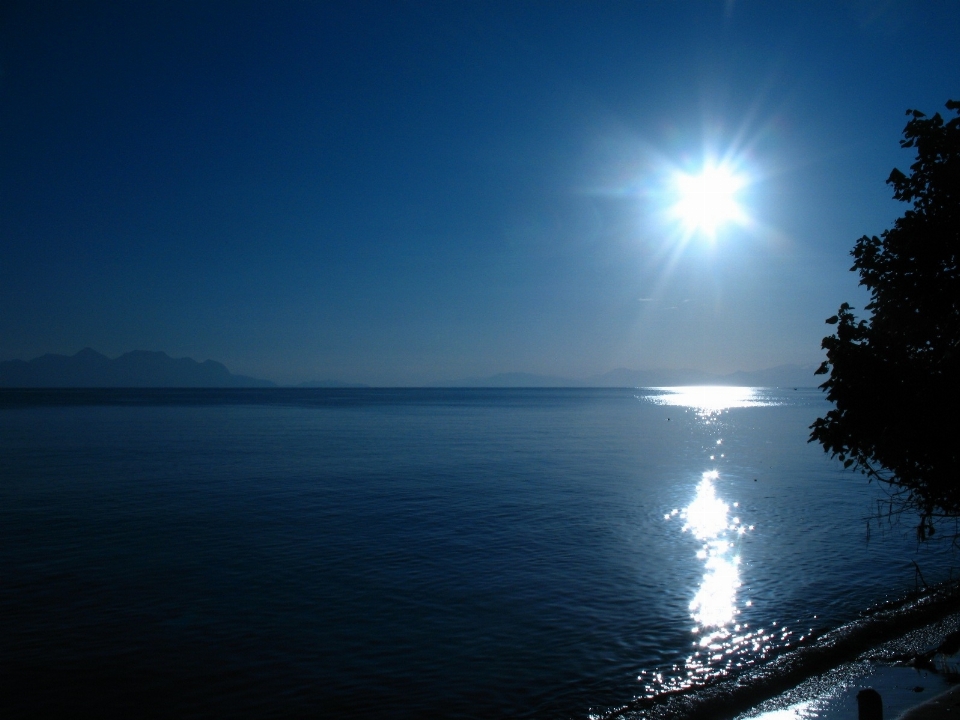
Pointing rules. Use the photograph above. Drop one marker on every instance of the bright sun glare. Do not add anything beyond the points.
(709, 199)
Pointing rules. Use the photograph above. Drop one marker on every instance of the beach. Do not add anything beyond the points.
(907, 692)
(944, 705)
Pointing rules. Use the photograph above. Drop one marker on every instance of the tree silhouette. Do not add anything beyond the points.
(894, 378)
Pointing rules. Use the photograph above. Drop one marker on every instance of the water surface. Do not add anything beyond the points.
(413, 553)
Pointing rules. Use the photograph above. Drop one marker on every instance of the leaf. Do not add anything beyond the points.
(894, 376)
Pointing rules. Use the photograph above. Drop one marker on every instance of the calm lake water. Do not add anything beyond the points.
(420, 553)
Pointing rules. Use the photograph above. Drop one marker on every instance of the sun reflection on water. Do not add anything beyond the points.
(714, 607)
(722, 644)
(710, 399)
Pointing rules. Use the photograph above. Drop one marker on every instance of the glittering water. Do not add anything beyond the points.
(414, 553)
(723, 644)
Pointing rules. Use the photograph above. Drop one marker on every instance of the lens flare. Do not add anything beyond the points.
(707, 200)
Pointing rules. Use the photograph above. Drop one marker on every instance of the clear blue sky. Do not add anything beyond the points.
(407, 192)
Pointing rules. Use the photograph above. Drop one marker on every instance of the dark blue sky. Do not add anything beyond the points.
(407, 192)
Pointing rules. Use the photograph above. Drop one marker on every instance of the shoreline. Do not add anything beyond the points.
(944, 705)
(817, 679)
(909, 690)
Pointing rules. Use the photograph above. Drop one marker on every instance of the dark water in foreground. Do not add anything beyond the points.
(419, 553)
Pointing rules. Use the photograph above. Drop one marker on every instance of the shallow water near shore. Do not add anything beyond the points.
(412, 553)
(890, 669)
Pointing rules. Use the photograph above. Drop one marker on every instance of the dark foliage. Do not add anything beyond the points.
(894, 378)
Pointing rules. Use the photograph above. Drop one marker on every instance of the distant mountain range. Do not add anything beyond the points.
(780, 376)
(139, 368)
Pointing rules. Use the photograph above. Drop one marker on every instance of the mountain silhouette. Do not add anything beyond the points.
(140, 368)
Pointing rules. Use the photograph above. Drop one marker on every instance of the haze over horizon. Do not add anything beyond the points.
(88, 368)
(402, 193)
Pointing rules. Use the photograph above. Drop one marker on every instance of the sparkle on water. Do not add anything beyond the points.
(722, 644)
(707, 518)
(707, 399)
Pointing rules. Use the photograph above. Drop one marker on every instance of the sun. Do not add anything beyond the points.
(708, 200)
